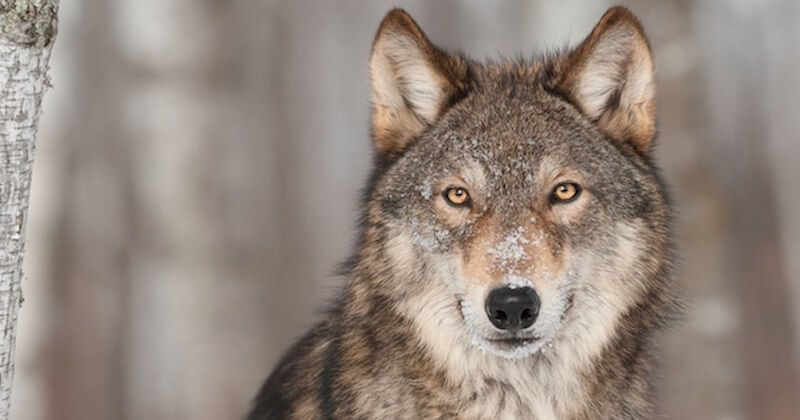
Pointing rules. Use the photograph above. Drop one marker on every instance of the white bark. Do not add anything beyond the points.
(27, 30)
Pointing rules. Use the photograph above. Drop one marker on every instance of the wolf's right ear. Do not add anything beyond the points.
(413, 82)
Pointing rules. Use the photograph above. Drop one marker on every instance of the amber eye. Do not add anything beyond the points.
(456, 196)
(565, 192)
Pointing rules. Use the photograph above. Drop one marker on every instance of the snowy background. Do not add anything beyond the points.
(198, 169)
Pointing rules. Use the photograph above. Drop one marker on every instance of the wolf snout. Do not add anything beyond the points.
(512, 309)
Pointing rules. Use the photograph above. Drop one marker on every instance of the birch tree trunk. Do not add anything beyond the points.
(27, 31)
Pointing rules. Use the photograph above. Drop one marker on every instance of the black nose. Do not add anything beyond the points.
(512, 309)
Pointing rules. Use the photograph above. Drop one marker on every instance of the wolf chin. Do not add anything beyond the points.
(515, 257)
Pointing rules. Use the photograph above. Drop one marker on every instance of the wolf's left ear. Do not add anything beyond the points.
(610, 78)
(413, 82)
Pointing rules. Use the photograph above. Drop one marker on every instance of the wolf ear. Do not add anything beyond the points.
(413, 82)
(610, 78)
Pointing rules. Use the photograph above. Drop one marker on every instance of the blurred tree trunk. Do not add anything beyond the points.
(27, 32)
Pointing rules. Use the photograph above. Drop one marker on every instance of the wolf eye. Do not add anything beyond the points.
(456, 196)
(565, 192)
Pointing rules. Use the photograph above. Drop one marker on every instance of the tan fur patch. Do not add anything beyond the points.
(603, 300)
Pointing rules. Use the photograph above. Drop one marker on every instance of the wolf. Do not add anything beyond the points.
(515, 257)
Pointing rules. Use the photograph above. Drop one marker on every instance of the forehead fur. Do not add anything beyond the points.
(509, 117)
(525, 90)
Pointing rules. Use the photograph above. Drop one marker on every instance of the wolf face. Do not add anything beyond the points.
(515, 253)
(518, 200)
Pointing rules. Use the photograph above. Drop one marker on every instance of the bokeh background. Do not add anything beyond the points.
(199, 163)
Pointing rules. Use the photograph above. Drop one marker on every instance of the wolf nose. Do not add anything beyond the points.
(512, 309)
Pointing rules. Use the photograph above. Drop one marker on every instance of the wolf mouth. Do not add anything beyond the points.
(511, 343)
(505, 345)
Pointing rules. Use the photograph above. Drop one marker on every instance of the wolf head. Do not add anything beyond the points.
(515, 204)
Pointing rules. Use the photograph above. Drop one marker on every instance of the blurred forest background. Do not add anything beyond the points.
(198, 170)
